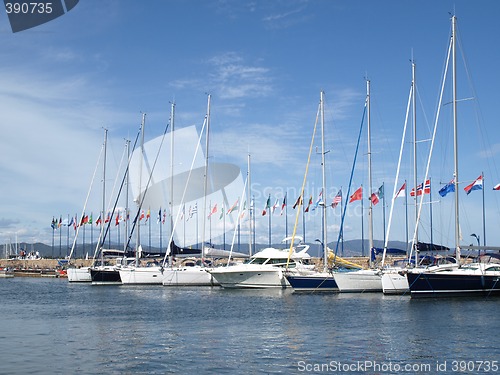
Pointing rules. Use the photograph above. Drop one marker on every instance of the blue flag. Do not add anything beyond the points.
(448, 188)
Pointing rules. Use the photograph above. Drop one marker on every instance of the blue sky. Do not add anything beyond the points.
(264, 63)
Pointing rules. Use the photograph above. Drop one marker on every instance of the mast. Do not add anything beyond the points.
(139, 198)
(323, 151)
(249, 197)
(127, 142)
(103, 192)
(370, 207)
(415, 179)
(205, 186)
(172, 124)
(455, 136)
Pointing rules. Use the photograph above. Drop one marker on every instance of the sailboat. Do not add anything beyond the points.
(364, 280)
(469, 279)
(197, 273)
(322, 281)
(105, 271)
(135, 273)
(82, 274)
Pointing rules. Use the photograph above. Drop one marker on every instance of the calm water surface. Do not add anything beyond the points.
(51, 326)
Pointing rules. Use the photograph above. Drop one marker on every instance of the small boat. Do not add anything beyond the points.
(6, 273)
(265, 269)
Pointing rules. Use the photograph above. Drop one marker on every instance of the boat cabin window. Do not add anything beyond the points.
(493, 269)
(257, 261)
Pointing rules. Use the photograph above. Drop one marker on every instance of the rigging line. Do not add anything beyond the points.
(350, 182)
(99, 243)
(167, 252)
(431, 149)
(238, 221)
(397, 175)
(143, 197)
(119, 193)
(301, 196)
(85, 204)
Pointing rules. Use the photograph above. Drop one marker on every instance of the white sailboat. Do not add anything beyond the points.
(82, 274)
(135, 273)
(366, 280)
(197, 274)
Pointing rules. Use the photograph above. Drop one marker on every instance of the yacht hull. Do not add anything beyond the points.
(79, 275)
(314, 283)
(394, 283)
(141, 275)
(246, 277)
(362, 281)
(188, 276)
(105, 276)
(453, 283)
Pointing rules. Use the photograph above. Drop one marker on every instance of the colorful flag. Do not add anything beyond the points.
(53, 224)
(108, 217)
(476, 185)
(297, 202)
(309, 204)
(158, 220)
(448, 188)
(283, 205)
(99, 220)
(221, 212)
(164, 215)
(402, 191)
(90, 220)
(243, 211)
(214, 210)
(148, 215)
(60, 222)
(117, 219)
(496, 187)
(234, 206)
(318, 201)
(357, 196)
(268, 205)
(426, 189)
(337, 199)
(71, 222)
(140, 217)
(380, 192)
(375, 199)
(275, 205)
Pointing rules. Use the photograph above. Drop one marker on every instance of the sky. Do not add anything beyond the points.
(264, 63)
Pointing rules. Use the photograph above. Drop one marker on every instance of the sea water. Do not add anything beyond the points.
(49, 326)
